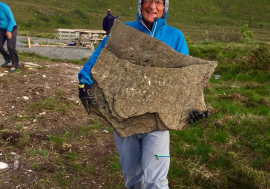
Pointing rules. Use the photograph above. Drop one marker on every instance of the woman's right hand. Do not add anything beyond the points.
(9, 35)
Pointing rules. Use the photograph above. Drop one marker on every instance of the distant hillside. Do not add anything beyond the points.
(188, 15)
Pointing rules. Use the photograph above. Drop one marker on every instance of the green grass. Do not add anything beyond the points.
(35, 152)
(221, 18)
(56, 140)
(53, 103)
(18, 127)
(90, 129)
(114, 163)
(21, 118)
(33, 57)
(231, 149)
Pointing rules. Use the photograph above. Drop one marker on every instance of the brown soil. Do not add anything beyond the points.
(36, 107)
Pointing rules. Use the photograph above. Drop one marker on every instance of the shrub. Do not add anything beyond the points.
(225, 36)
(79, 14)
(247, 36)
(63, 21)
(260, 59)
(206, 35)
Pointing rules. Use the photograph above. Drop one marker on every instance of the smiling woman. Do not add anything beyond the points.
(144, 158)
(152, 9)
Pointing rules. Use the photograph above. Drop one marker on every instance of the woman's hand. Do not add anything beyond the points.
(9, 35)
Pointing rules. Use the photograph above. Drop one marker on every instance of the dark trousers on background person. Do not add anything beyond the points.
(108, 32)
(11, 46)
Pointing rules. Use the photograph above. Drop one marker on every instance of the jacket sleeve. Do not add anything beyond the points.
(183, 48)
(84, 75)
(10, 17)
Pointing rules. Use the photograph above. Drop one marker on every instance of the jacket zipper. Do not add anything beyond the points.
(152, 35)
(154, 29)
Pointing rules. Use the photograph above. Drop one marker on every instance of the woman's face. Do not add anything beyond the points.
(152, 9)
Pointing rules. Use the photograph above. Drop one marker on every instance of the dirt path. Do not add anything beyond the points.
(45, 128)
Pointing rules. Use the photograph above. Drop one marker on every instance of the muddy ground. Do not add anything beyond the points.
(44, 128)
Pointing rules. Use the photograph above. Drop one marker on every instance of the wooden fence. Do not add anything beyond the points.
(69, 35)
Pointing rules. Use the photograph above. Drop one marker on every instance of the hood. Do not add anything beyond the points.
(139, 9)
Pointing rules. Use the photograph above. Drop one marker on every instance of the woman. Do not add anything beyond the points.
(8, 32)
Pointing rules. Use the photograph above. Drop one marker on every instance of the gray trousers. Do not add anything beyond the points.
(11, 46)
(144, 159)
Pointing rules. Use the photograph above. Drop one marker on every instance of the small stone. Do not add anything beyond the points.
(25, 98)
(44, 76)
(235, 86)
(35, 120)
(105, 131)
(3, 165)
(42, 113)
(12, 107)
(217, 76)
(16, 165)
(72, 99)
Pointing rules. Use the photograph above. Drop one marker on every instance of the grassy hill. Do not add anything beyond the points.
(193, 17)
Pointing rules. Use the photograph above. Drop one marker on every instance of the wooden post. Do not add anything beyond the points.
(92, 44)
(79, 40)
(28, 42)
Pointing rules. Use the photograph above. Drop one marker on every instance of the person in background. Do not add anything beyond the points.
(108, 22)
(8, 32)
(144, 158)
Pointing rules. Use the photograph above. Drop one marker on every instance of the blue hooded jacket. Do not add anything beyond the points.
(160, 30)
(7, 20)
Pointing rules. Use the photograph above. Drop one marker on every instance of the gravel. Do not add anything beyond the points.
(64, 53)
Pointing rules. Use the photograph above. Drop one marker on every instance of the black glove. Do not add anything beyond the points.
(197, 115)
(87, 97)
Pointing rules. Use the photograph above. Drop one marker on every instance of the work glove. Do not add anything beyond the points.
(87, 97)
(197, 115)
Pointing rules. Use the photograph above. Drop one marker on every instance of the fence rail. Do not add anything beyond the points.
(68, 35)
(85, 37)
